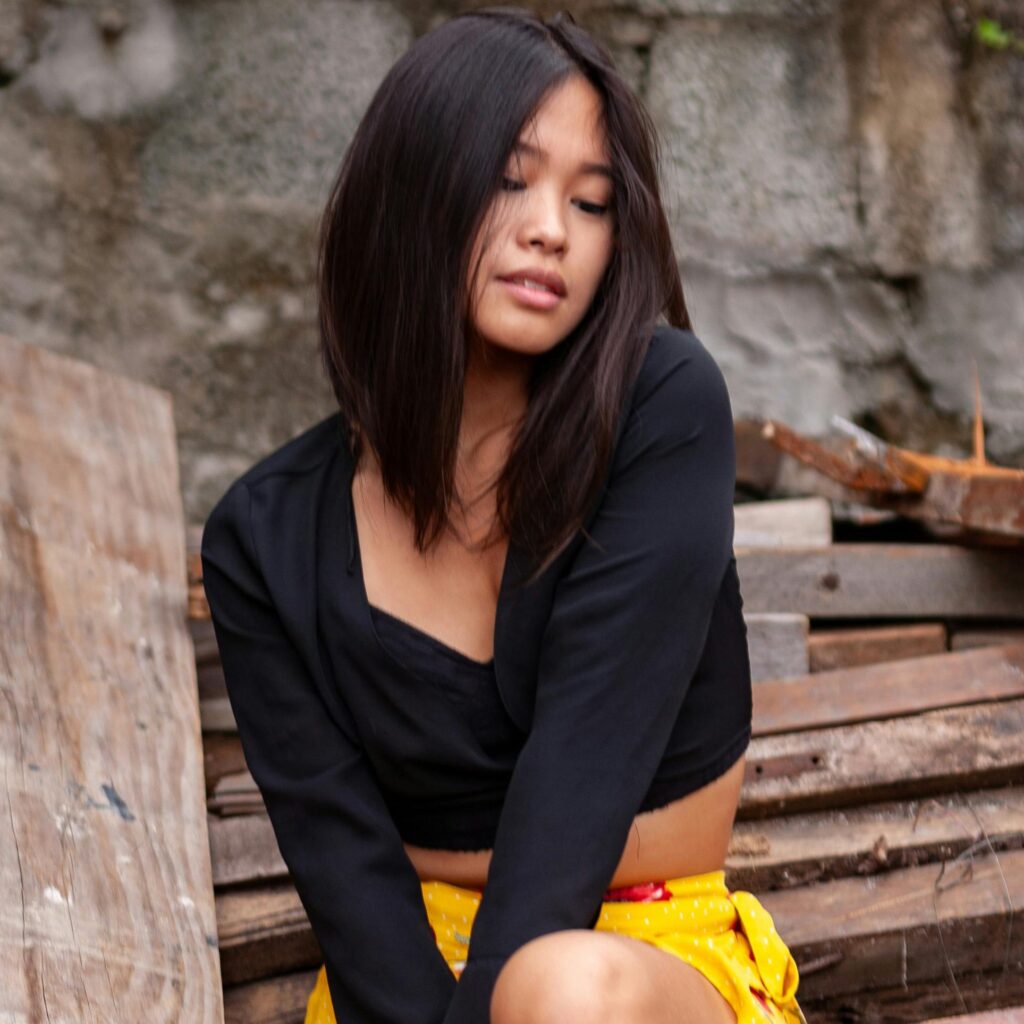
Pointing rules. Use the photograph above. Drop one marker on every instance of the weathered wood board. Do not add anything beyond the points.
(883, 581)
(920, 755)
(106, 895)
(906, 926)
(797, 849)
(889, 690)
(829, 649)
(789, 522)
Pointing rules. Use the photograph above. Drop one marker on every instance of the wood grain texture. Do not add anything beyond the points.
(829, 649)
(798, 849)
(280, 1000)
(889, 690)
(105, 882)
(788, 522)
(905, 927)
(920, 755)
(883, 581)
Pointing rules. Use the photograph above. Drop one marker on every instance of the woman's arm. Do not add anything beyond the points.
(345, 856)
(627, 629)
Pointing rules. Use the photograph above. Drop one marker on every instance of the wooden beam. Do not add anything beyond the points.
(817, 846)
(264, 932)
(105, 880)
(905, 927)
(889, 690)
(884, 581)
(787, 522)
(922, 755)
(243, 850)
(829, 649)
(935, 999)
(280, 1000)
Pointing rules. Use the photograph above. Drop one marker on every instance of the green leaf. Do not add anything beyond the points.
(991, 33)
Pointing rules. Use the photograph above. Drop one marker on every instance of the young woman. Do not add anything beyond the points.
(481, 628)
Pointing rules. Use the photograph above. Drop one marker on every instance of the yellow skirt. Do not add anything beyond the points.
(728, 936)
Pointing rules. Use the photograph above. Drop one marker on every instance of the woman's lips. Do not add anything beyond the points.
(536, 298)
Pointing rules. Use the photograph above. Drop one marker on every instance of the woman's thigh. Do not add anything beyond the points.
(603, 978)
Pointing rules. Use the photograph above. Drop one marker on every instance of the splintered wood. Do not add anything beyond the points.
(971, 496)
(881, 820)
(106, 892)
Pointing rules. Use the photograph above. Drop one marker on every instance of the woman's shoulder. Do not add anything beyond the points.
(680, 383)
(301, 454)
(277, 473)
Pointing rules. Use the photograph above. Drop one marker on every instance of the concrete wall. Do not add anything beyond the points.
(845, 180)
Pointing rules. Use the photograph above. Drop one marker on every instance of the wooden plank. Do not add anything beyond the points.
(222, 757)
(235, 794)
(829, 649)
(787, 522)
(243, 849)
(921, 755)
(904, 927)
(280, 1000)
(797, 849)
(884, 581)
(937, 999)
(105, 878)
(894, 688)
(1011, 1015)
(264, 932)
(777, 643)
(216, 715)
(964, 639)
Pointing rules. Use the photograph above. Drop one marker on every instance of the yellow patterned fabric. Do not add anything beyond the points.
(728, 936)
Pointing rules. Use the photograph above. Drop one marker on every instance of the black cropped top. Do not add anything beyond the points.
(620, 681)
(467, 816)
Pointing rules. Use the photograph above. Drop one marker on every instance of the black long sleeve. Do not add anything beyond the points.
(628, 625)
(346, 858)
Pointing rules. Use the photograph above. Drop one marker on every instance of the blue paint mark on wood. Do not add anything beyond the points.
(117, 803)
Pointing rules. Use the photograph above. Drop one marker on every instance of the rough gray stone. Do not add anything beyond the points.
(754, 119)
(845, 179)
(271, 93)
(969, 319)
(789, 344)
(918, 172)
(996, 87)
(106, 61)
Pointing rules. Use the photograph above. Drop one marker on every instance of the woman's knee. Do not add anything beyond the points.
(567, 976)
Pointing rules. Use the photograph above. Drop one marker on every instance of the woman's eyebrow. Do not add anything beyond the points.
(585, 167)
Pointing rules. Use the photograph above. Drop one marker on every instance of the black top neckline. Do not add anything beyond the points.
(432, 642)
(367, 611)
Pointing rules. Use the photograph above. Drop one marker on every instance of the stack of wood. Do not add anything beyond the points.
(882, 816)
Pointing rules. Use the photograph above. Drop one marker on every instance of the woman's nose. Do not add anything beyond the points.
(544, 223)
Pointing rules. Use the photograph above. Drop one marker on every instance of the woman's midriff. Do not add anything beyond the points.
(689, 836)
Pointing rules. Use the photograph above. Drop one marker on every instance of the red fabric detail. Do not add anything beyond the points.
(648, 892)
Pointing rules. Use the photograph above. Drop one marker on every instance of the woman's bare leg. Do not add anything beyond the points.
(603, 978)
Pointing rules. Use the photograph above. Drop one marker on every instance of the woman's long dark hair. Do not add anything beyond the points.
(413, 191)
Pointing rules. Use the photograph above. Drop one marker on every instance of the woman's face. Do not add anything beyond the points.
(552, 221)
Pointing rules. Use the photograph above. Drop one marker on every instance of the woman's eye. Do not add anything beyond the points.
(515, 185)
